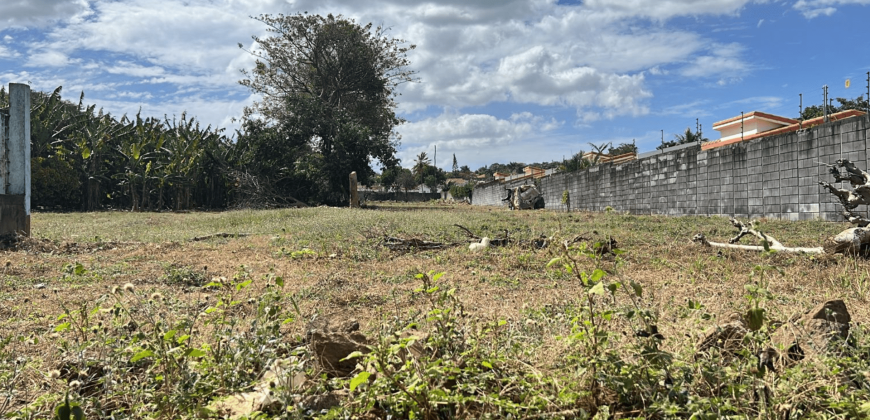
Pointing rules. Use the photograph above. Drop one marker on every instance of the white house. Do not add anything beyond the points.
(750, 124)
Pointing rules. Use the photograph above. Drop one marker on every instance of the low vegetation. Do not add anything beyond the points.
(120, 315)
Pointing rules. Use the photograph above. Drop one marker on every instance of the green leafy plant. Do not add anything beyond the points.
(67, 411)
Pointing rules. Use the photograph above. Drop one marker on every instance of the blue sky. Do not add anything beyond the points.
(500, 80)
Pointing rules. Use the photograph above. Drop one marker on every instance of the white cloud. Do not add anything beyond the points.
(21, 13)
(48, 58)
(695, 108)
(723, 61)
(666, 9)
(132, 69)
(815, 8)
(760, 103)
(6, 53)
(476, 138)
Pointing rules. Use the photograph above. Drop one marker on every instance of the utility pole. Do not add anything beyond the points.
(741, 125)
(868, 93)
(825, 102)
(801, 115)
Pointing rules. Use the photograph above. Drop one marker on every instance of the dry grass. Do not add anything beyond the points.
(347, 273)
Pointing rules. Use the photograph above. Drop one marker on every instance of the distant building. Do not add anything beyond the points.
(749, 125)
(615, 159)
(533, 171)
(760, 124)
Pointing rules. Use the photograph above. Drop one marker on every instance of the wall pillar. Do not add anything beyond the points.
(15, 162)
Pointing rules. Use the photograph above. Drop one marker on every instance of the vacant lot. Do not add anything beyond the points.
(131, 316)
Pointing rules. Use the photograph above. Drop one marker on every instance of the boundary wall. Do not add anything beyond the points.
(774, 177)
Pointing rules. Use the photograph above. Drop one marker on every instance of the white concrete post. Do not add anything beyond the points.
(15, 167)
(19, 141)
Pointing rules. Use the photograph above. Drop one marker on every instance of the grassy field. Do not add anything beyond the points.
(131, 317)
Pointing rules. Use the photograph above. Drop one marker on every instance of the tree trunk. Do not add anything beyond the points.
(134, 197)
(160, 202)
(354, 195)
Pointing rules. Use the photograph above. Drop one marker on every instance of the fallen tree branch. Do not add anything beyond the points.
(749, 229)
(468, 232)
(399, 244)
(220, 235)
(503, 241)
(701, 239)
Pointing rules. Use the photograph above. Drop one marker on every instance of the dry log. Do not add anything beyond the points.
(701, 239)
(220, 235)
(749, 229)
(849, 242)
(852, 241)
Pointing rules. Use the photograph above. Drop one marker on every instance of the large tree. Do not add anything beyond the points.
(331, 82)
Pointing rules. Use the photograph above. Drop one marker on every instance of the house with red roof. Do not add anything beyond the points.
(761, 124)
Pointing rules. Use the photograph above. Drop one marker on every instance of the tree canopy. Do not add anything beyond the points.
(330, 83)
(815, 111)
(688, 136)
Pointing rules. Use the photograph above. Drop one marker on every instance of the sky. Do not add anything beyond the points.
(499, 80)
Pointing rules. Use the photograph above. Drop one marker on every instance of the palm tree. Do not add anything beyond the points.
(687, 137)
(420, 166)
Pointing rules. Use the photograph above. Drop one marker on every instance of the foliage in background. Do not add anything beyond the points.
(85, 159)
(687, 137)
(815, 111)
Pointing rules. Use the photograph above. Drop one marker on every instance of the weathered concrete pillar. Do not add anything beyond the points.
(15, 162)
(354, 194)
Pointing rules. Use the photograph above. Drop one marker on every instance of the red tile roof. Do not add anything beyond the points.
(758, 114)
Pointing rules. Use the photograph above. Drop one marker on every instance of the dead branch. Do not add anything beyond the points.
(854, 175)
(859, 179)
(220, 235)
(400, 244)
(856, 219)
(849, 199)
(468, 233)
(701, 239)
(503, 241)
(749, 229)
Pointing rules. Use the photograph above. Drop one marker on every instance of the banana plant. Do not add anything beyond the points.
(89, 145)
(184, 151)
(140, 151)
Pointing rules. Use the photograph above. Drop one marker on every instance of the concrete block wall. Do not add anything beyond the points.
(774, 177)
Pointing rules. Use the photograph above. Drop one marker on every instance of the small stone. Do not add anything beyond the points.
(40, 286)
